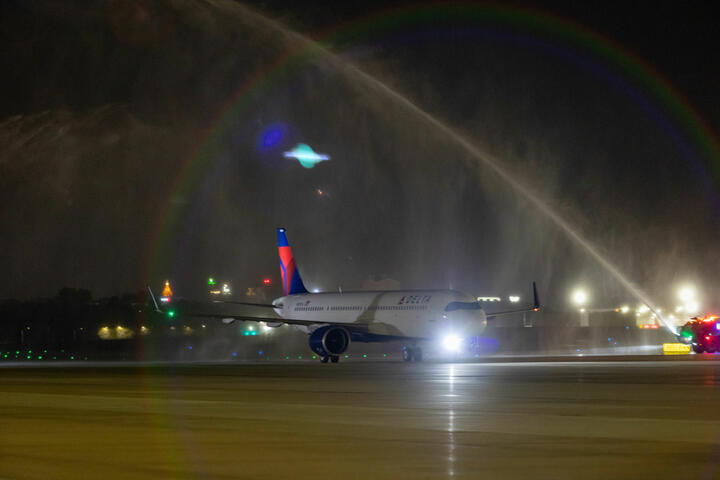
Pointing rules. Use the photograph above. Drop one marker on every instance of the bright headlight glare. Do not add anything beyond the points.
(452, 343)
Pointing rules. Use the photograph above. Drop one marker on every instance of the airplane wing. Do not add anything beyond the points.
(262, 313)
(534, 308)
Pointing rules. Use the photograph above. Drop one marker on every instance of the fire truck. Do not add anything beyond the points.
(703, 333)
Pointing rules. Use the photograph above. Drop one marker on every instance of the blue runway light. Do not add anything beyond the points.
(234, 354)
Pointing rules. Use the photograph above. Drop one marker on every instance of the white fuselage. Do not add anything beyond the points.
(418, 314)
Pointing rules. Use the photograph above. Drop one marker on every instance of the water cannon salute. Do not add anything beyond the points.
(428, 163)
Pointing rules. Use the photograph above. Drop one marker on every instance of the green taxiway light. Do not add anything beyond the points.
(287, 358)
(17, 352)
(39, 357)
(364, 355)
(346, 356)
(314, 357)
(299, 357)
(72, 357)
(171, 313)
(384, 354)
(211, 281)
(28, 357)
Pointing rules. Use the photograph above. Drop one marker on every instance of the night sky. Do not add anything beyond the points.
(144, 140)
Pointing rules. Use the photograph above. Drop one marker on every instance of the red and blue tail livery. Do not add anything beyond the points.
(292, 283)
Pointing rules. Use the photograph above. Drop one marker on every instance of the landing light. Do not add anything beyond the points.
(452, 343)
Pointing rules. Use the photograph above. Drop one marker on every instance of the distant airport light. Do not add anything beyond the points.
(167, 291)
(579, 297)
(211, 281)
(514, 298)
(226, 289)
(267, 281)
(624, 309)
(164, 299)
(643, 309)
(315, 290)
(686, 293)
(489, 299)
(171, 313)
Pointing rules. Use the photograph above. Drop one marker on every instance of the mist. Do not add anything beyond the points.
(110, 103)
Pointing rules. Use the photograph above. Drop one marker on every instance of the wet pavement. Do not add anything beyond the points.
(554, 420)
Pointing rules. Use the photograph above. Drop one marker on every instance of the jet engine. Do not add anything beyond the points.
(329, 341)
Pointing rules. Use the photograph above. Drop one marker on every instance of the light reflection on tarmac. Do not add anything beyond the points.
(618, 419)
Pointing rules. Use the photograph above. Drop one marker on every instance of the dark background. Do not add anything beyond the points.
(105, 103)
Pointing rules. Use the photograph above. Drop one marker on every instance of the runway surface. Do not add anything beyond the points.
(529, 420)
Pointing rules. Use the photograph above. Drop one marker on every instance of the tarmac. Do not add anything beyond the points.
(551, 419)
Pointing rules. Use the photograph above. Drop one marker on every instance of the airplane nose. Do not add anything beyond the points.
(468, 323)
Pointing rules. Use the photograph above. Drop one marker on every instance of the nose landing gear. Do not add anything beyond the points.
(412, 354)
(331, 358)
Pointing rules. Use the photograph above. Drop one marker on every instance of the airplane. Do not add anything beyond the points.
(334, 320)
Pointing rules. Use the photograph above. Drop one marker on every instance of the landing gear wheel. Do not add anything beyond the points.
(698, 348)
(335, 358)
(324, 359)
(407, 354)
(417, 355)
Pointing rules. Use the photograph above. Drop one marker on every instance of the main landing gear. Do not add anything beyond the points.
(332, 358)
(412, 354)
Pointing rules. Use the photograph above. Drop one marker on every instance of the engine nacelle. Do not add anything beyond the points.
(329, 340)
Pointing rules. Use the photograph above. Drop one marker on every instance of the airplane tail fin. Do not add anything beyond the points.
(292, 283)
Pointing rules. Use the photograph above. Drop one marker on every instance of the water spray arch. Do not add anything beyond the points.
(588, 45)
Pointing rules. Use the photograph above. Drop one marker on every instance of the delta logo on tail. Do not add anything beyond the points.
(291, 281)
